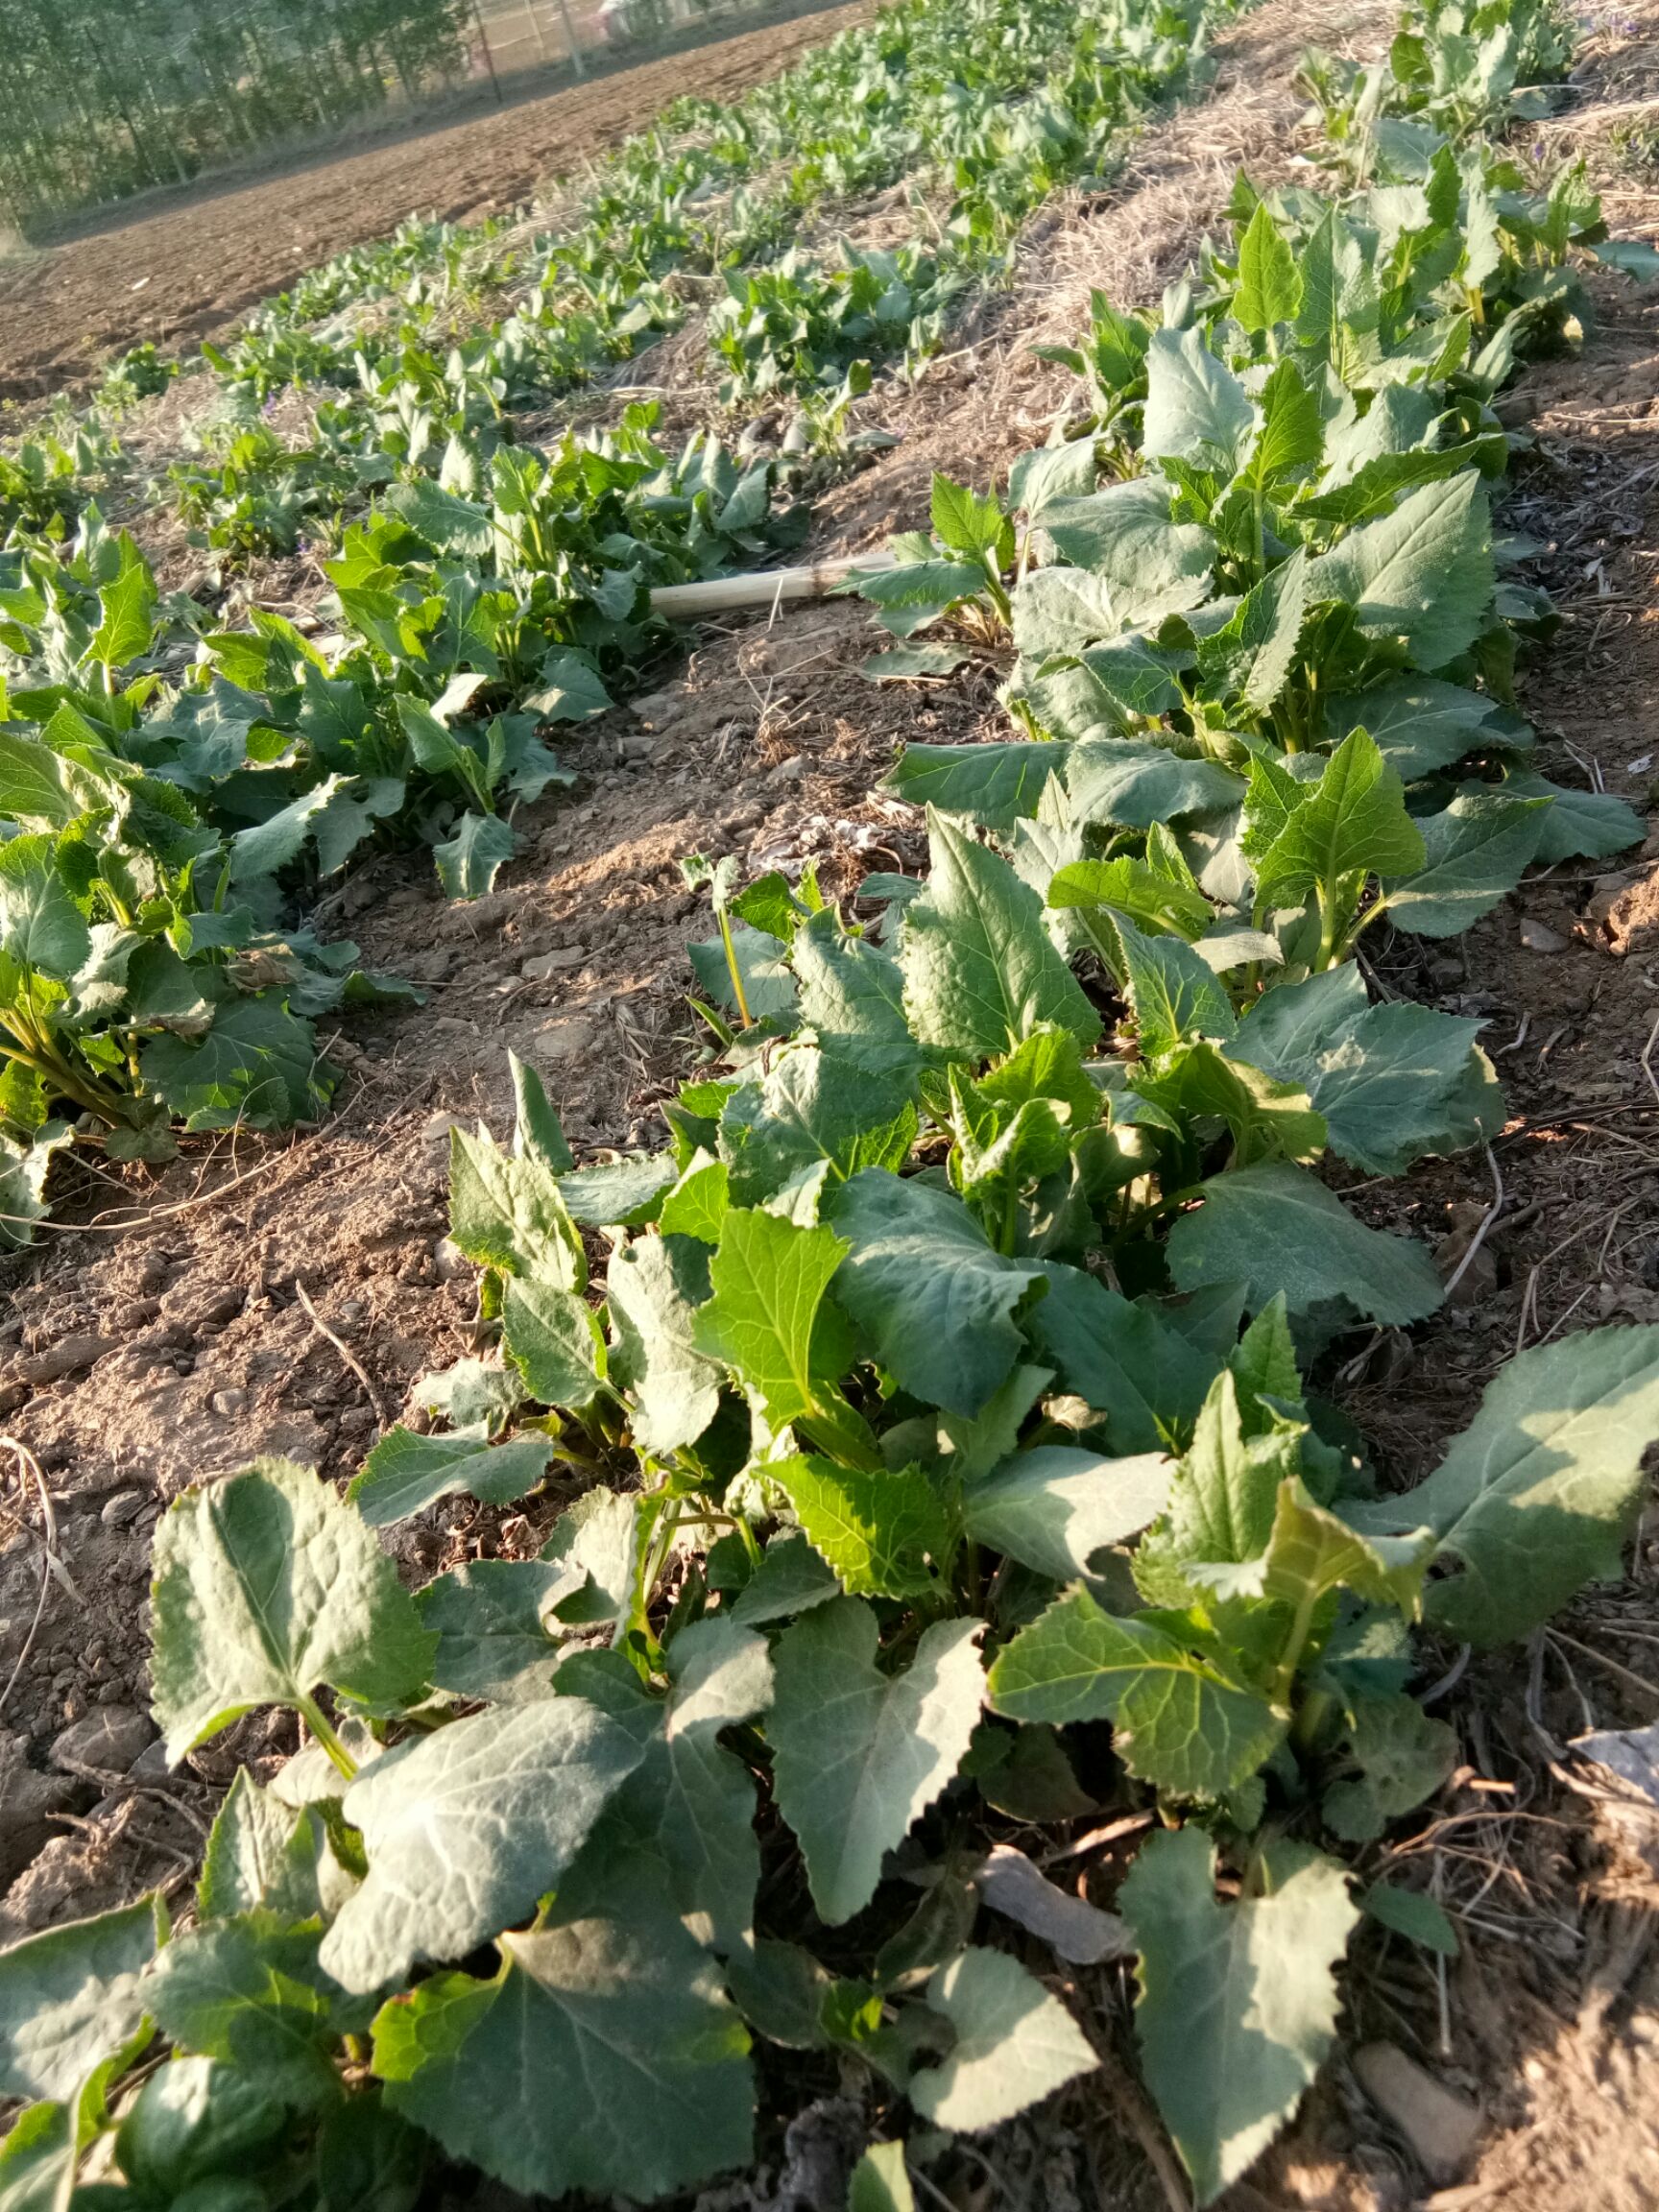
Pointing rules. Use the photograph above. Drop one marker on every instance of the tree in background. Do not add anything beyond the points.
(107, 97)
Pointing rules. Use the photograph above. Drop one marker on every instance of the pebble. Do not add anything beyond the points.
(229, 1404)
(1538, 937)
(545, 965)
(791, 771)
(108, 1741)
(119, 1510)
(26, 1798)
(435, 1134)
(1441, 2127)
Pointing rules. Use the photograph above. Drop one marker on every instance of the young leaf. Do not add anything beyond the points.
(980, 971)
(250, 1991)
(1126, 1361)
(1353, 823)
(1403, 1755)
(405, 1473)
(879, 1532)
(1238, 2004)
(859, 1755)
(266, 1587)
(466, 1829)
(1269, 287)
(1015, 2044)
(764, 1320)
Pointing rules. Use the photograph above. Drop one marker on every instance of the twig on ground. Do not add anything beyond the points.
(345, 1353)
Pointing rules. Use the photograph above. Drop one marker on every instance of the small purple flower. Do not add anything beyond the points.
(1537, 149)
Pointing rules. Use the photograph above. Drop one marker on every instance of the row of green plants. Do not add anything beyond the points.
(944, 1437)
(166, 829)
(183, 789)
(409, 368)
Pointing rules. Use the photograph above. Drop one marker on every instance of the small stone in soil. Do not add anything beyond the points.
(1440, 2127)
(545, 965)
(108, 1741)
(1538, 937)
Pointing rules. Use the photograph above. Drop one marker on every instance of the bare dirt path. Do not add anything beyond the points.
(185, 268)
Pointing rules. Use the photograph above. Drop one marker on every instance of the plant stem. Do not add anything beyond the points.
(311, 1712)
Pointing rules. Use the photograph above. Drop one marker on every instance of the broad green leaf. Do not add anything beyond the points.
(1536, 1496)
(883, 1532)
(1177, 1720)
(1126, 1361)
(853, 998)
(1419, 723)
(859, 1755)
(40, 926)
(1131, 785)
(1277, 1229)
(553, 1338)
(600, 1544)
(1312, 1551)
(1472, 853)
(617, 1194)
(980, 970)
(466, 1829)
(1414, 1914)
(1252, 657)
(768, 987)
(1393, 1082)
(966, 522)
(1270, 286)
(1173, 991)
(1064, 611)
(642, 2081)
(766, 1319)
(696, 1206)
(257, 1067)
(814, 1107)
(653, 1289)
(1196, 409)
(1592, 825)
(250, 1992)
(1423, 574)
(1054, 1508)
(994, 785)
(791, 1578)
(71, 1997)
(267, 1587)
(406, 1472)
(271, 844)
(486, 1616)
(682, 1827)
(930, 1298)
(1223, 1501)
(507, 1210)
(126, 613)
(195, 2121)
(1015, 2044)
(1238, 2003)
(261, 1852)
(1124, 538)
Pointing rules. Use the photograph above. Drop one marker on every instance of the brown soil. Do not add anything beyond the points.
(160, 1334)
(186, 267)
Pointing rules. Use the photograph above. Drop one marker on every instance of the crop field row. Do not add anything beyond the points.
(934, 1443)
